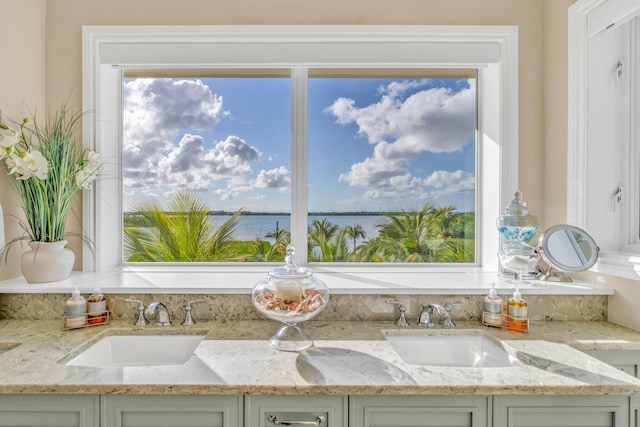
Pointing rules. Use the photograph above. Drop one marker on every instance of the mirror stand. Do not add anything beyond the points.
(553, 275)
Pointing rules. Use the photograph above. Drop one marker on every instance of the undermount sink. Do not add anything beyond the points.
(138, 350)
(451, 350)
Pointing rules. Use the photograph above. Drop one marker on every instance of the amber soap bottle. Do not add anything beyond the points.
(517, 312)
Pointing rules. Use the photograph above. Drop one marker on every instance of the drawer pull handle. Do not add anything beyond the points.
(319, 420)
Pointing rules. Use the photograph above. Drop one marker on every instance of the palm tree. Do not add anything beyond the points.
(182, 233)
(353, 232)
(411, 236)
(320, 234)
(282, 238)
(267, 252)
(334, 249)
(323, 229)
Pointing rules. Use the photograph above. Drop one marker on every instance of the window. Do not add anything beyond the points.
(222, 140)
(604, 158)
(321, 74)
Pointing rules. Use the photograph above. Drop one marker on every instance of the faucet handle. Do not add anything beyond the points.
(402, 319)
(188, 317)
(446, 321)
(449, 305)
(142, 320)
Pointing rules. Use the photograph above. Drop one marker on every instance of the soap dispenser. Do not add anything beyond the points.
(493, 307)
(76, 308)
(517, 312)
(97, 307)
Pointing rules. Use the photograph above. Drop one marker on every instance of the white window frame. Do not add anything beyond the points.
(493, 50)
(603, 154)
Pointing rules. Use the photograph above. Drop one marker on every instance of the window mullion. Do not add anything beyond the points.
(299, 163)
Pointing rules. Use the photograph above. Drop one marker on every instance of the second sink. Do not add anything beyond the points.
(451, 350)
(138, 350)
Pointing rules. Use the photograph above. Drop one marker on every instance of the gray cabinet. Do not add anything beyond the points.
(326, 410)
(49, 411)
(423, 411)
(626, 360)
(561, 410)
(171, 411)
(268, 411)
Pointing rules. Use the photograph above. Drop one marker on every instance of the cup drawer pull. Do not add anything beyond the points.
(320, 419)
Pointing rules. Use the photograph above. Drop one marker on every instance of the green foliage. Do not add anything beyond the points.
(263, 251)
(416, 237)
(182, 233)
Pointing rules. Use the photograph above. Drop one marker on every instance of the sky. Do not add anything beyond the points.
(375, 144)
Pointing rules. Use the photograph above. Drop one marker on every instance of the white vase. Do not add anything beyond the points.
(47, 262)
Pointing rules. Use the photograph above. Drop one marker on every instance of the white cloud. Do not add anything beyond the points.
(373, 172)
(154, 111)
(274, 178)
(451, 181)
(436, 120)
(191, 166)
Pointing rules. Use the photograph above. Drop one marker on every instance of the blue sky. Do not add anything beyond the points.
(375, 144)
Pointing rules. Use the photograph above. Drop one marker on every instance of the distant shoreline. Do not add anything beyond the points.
(309, 214)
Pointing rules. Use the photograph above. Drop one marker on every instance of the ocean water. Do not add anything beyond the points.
(251, 227)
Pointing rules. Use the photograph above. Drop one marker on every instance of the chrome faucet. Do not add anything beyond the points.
(428, 311)
(142, 320)
(402, 310)
(161, 313)
(188, 317)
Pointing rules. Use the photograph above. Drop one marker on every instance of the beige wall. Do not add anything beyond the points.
(22, 91)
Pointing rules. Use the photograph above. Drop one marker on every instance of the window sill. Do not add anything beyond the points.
(202, 280)
(618, 264)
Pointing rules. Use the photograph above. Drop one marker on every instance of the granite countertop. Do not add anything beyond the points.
(348, 358)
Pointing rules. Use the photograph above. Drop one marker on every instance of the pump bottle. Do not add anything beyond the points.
(76, 308)
(492, 307)
(517, 312)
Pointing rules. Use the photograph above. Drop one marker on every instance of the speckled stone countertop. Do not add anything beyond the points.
(348, 358)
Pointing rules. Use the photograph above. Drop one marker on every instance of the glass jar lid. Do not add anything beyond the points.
(290, 270)
(517, 206)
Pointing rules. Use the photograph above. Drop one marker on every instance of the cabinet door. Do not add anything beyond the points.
(635, 411)
(49, 411)
(423, 411)
(565, 411)
(325, 411)
(171, 411)
(625, 360)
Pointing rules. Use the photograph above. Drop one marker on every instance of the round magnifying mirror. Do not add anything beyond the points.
(566, 249)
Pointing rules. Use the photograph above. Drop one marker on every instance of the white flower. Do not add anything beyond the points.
(88, 173)
(92, 161)
(8, 138)
(85, 178)
(29, 164)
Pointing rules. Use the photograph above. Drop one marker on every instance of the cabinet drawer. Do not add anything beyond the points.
(565, 411)
(419, 411)
(171, 411)
(49, 411)
(328, 411)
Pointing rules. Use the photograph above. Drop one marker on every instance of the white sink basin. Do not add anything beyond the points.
(138, 350)
(451, 350)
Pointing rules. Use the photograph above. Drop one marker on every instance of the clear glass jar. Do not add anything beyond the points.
(516, 223)
(290, 294)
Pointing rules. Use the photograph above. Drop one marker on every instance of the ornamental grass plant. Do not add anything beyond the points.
(47, 169)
